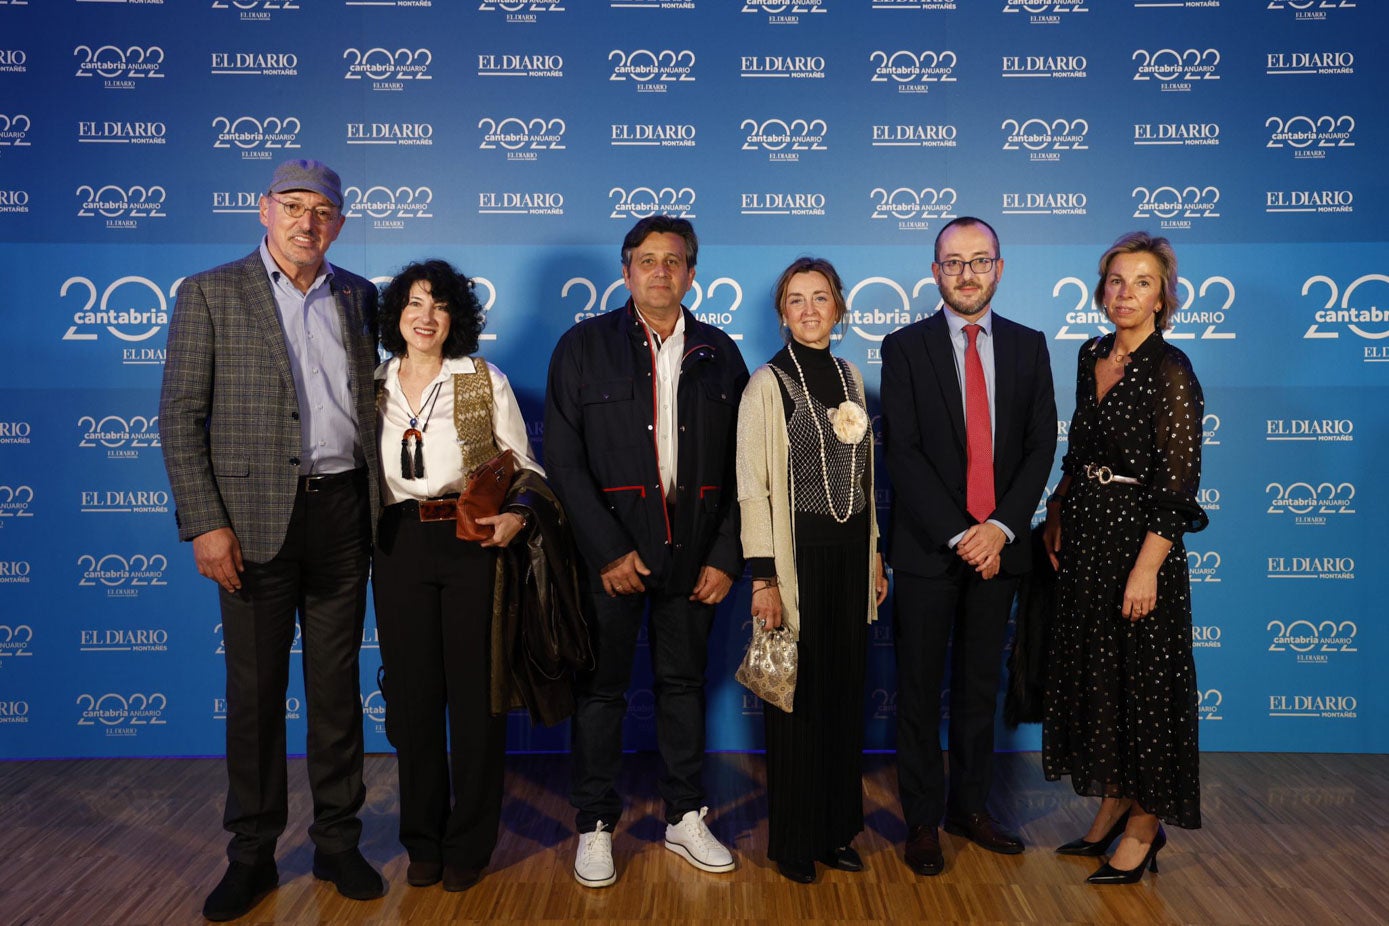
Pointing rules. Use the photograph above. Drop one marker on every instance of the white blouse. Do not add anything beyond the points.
(443, 459)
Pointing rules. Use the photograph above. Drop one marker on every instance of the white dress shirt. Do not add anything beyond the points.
(666, 356)
(443, 458)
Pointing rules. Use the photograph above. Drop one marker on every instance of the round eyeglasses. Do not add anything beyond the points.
(294, 209)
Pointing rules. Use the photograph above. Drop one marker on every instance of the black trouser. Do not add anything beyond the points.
(928, 612)
(433, 596)
(320, 575)
(678, 632)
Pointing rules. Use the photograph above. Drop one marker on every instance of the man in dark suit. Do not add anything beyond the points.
(970, 422)
(268, 425)
(641, 414)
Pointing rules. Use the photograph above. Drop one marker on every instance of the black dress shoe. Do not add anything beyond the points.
(800, 872)
(240, 889)
(983, 830)
(457, 878)
(1108, 874)
(923, 853)
(1084, 847)
(845, 858)
(423, 874)
(351, 874)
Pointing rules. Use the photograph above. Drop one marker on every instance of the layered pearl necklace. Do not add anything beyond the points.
(820, 433)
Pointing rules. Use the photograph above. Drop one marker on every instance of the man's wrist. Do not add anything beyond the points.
(615, 563)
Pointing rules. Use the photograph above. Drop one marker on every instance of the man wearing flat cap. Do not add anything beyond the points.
(268, 425)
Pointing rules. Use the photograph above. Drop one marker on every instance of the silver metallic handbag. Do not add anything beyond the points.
(768, 669)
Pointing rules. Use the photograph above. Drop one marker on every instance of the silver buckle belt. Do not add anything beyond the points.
(1104, 476)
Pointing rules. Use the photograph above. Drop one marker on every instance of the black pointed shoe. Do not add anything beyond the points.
(1108, 874)
(1096, 849)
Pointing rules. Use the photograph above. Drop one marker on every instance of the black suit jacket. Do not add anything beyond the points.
(924, 423)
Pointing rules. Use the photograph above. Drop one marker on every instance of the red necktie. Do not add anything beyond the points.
(979, 492)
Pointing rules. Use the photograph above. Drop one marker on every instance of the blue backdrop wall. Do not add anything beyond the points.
(521, 139)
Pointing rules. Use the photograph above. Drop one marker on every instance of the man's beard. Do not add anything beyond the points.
(977, 301)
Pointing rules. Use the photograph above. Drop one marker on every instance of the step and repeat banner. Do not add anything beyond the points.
(520, 139)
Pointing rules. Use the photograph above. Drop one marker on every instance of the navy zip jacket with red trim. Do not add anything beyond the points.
(600, 448)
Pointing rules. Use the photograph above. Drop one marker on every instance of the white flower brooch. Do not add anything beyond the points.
(850, 422)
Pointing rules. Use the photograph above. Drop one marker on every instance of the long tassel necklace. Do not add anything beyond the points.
(820, 433)
(412, 464)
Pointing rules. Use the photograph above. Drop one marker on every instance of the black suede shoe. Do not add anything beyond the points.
(354, 878)
(423, 874)
(800, 872)
(240, 889)
(845, 858)
(457, 878)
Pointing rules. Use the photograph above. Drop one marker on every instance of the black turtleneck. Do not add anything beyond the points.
(821, 374)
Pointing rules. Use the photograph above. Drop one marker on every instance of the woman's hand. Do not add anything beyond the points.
(1051, 534)
(1140, 593)
(505, 527)
(879, 581)
(1051, 531)
(766, 607)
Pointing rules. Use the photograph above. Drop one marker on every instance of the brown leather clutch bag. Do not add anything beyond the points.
(483, 497)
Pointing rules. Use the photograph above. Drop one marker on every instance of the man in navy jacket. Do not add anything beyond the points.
(641, 415)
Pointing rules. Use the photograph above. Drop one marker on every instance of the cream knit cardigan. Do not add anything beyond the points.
(765, 491)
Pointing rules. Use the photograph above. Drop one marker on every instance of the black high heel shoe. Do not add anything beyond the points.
(1096, 849)
(1108, 874)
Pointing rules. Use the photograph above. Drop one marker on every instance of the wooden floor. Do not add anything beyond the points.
(1289, 839)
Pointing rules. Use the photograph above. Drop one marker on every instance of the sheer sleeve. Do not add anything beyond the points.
(1179, 407)
(1071, 465)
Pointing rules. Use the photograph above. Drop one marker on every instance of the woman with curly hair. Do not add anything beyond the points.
(441, 413)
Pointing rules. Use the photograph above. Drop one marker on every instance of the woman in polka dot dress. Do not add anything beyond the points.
(1121, 695)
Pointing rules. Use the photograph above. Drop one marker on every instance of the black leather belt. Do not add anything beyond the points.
(330, 481)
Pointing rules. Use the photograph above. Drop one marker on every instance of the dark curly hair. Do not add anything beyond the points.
(446, 285)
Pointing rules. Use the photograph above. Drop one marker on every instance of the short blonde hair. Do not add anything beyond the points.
(1140, 242)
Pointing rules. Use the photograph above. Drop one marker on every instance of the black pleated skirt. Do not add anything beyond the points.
(814, 754)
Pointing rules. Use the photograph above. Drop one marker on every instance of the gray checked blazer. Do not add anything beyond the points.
(229, 413)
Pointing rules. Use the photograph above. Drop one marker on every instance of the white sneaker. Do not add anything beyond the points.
(691, 839)
(593, 863)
